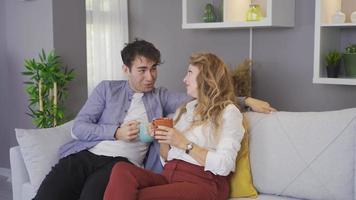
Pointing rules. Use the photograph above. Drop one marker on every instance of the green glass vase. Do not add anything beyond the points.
(254, 13)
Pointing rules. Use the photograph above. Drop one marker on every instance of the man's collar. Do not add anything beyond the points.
(129, 89)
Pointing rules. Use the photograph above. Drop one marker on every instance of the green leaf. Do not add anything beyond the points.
(29, 114)
(28, 82)
(27, 73)
(42, 56)
(60, 114)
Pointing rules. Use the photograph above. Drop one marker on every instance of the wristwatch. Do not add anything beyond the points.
(189, 147)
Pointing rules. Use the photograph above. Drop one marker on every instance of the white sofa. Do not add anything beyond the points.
(294, 155)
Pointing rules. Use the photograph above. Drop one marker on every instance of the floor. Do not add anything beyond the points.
(5, 189)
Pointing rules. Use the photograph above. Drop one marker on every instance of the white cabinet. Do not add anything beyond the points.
(329, 36)
(278, 13)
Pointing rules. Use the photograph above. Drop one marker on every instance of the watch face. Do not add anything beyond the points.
(189, 147)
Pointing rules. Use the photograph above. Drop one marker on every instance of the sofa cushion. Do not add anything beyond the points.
(274, 197)
(28, 191)
(241, 181)
(39, 148)
(307, 155)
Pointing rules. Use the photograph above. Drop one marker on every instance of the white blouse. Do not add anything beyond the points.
(221, 157)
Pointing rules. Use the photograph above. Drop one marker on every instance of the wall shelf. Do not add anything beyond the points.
(329, 36)
(344, 25)
(336, 81)
(277, 13)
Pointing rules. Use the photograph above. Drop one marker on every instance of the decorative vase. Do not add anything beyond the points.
(254, 13)
(350, 65)
(332, 71)
(353, 17)
(338, 18)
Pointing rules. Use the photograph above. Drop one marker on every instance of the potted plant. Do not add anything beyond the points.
(241, 77)
(333, 59)
(47, 89)
(349, 58)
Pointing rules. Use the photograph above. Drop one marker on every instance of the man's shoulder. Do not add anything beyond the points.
(171, 95)
(160, 90)
(164, 92)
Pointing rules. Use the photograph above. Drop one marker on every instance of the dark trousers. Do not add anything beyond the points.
(82, 175)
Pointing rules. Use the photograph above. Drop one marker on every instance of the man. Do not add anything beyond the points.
(106, 128)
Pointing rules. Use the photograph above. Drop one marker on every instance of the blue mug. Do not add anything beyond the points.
(144, 135)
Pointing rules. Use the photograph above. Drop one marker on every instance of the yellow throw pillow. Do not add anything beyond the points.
(241, 181)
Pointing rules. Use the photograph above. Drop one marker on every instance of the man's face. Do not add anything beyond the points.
(143, 74)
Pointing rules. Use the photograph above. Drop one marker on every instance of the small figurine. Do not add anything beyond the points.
(209, 14)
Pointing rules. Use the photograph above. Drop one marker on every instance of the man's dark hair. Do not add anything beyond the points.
(140, 48)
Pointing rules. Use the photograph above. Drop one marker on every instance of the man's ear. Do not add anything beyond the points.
(125, 69)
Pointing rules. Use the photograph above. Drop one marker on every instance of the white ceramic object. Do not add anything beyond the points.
(235, 10)
(353, 17)
(338, 18)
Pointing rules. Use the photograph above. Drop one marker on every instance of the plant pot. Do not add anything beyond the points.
(350, 65)
(332, 71)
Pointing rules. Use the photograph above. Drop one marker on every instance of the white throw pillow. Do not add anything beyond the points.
(39, 148)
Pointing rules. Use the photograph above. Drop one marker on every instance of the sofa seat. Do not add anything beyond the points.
(266, 197)
(28, 191)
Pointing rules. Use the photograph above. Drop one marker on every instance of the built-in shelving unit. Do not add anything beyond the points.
(277, 13)
(329, 36)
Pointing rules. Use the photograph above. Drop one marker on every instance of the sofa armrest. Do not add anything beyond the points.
(19, 174)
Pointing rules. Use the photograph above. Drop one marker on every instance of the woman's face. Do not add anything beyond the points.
(190, 81)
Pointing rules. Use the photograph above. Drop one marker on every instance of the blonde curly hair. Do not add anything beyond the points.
(215, 91)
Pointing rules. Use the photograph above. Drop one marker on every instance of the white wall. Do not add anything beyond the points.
(5, 138)
(284, 56)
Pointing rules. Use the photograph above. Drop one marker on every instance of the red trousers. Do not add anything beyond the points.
(180, 181)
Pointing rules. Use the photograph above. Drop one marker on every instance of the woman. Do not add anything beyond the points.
(200, 150)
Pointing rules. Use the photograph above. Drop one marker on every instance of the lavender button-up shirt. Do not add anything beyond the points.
(105, 111)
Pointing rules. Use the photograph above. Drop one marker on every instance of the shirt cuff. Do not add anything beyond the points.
(242, 104)
(212, 164)
(109, 132)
